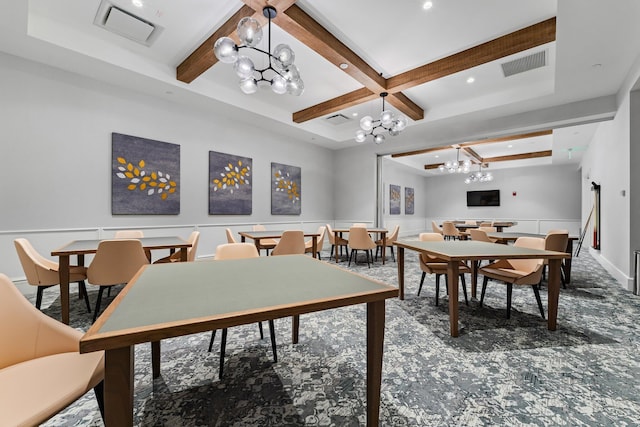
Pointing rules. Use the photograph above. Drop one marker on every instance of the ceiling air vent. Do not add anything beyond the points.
(125, 24)
(526, 63)
(337, 119)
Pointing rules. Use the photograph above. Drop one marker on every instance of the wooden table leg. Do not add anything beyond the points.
(118, 387)
(64, 273)
(375, 345)
(553, 293)
(81, 290)
(452, 274)
(155, 359)
(384, 247)
(314, 243)
(183, 254)
(336, 246)
(400, 272)
(295, 328)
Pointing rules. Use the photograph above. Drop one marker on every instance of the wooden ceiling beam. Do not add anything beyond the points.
(518, 41)
(422, 151)
(522, 156)
(508, 138)
(472, 154)
(336, 104)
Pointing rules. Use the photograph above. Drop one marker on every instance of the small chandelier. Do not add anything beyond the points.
(479, 176)
(456, 166)
(281, 73)
(387, 122)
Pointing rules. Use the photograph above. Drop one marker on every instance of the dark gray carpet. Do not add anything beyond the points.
(507, 372)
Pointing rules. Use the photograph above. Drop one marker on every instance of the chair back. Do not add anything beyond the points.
(359, 224)
(488, 229)
(393, 236)
(259, 227)
(38, 270)
(129, 234)
(430, 237)
(25, 332)
(479, 235)
(292, 242)
(322, 231)
(556, 242)
(194, 238)
(528, 265)
(332, 237)
(236, 251)
(558, 231)
(230, 238)
(435, 228)
(116, 261)
(449, 229)
(360, 239)
(485, 224)
(470, 222)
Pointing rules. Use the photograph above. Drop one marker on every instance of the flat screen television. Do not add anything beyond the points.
(483, 198)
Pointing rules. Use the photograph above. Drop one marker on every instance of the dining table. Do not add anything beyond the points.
(382, 232)
(257, 236)
(512, 237)
(170, 300)
(456, 251)
(80, 248)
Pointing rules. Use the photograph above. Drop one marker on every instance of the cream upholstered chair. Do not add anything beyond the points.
(449, 230)
(129, 234)
(390, 239)
(291, 242)
(230, 238)
(480, 235)
(230, 251)
(116, 262)
(436, 228)
(359, 240)
(337, 242)
(555, 240)
(308, 245)
(359, 224)
(485, 224)
(43, 273)
(194, 238)
(437, 266)
(487, 229)
(266, 244)
(41, 370)
(470, 222)
(516, 272)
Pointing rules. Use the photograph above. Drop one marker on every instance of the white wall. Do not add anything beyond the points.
(546, 197)
(55, 182)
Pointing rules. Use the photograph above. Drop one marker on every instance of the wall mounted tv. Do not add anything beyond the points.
(483, 198)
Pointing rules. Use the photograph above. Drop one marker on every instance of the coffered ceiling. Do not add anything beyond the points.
(423, 58)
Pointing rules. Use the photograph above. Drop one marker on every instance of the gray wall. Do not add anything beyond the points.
(55, 182)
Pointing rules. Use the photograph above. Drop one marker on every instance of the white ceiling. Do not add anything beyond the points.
(596, 45)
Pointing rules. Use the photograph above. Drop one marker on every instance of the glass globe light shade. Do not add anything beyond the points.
(466, 163)
(291, 73)
(448, 164)
(386, 117)
(441, 168)
(360, 136)
(295, 87)
(379, 139)
(366, 123)
(489, 177)
(249, 31)
(226, 50)
(467, 181)
(394, 132)
(400, 123)
(284, 54)
(279, 85)
(249, 85)
(244, 67)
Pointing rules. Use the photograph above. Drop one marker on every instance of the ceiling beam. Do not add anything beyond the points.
(534, 155)
(422, 151)
(472, 154)
(336, 104)
(509, 44)
(518, 41)
(508, 138)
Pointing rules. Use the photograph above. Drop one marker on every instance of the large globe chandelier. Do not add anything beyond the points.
(456, 166)
(281, 73)
(387, 122)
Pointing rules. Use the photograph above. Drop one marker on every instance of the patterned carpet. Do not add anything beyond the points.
(507, 372)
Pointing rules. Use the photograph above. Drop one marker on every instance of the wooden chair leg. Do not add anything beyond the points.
(537, 294)
(223, 347)
(421, 282)
(213, 337)
(509, 292)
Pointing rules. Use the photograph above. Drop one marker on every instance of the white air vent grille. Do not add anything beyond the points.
(338, 119)
(526, 63)
(125, 24)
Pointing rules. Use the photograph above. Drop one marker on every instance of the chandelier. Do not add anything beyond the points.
(456, 166)
(281, 73)
(387, 122)
(479, 176)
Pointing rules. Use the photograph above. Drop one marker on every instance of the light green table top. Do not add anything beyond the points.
(91, 246)
(196, 296)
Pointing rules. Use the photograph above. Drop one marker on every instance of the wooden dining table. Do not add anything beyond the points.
(512, 237)
(382, 232)
(257, 236)
(170, 300)
(456, 251)
(80, 248)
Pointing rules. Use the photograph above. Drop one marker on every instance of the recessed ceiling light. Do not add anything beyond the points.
(354, 114)
(509, 146)
(471, 80)
(436, 156)
(343, 65)
(427, 5)
(597, 65)
(137, 3)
